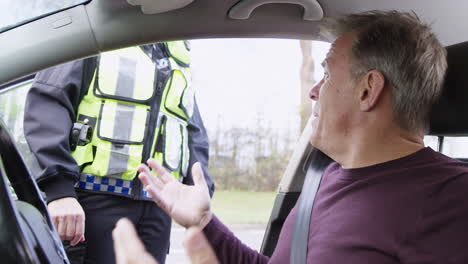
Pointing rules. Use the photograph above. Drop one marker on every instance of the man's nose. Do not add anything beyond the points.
(315, 91)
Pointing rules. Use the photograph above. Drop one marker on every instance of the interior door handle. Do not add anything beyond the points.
(244, 8)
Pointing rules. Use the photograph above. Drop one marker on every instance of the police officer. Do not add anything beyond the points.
(91, 122)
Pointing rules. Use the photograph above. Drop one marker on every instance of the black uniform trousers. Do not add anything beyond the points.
(102, 211)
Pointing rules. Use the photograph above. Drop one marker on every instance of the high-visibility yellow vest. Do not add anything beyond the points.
(121, 105)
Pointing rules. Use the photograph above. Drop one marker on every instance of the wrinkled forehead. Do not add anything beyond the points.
(340, 50)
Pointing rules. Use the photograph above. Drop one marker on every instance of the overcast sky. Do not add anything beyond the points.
(238, 80)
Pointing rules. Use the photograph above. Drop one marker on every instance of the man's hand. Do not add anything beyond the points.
(198, 248)
(69, 219)
(187, 205)
(130, 250)
(128, 247)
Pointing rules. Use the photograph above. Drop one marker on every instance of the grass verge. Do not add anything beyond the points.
(243, 207)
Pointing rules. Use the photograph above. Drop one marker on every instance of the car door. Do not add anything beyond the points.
(28, 234)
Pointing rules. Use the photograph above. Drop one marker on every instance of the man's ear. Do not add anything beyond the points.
(371, 90)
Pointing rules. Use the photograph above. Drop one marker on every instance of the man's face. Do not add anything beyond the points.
(336, 100)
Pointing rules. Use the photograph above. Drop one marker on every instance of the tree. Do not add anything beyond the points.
(251, 158)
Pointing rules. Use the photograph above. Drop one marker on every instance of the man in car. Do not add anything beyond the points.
(387, 198)
(91, 122)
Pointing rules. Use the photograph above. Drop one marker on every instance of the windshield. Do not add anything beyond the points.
(16, 12)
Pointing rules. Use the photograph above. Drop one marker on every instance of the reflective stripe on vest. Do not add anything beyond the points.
(125, 74)
(119, 103)
(179, 51)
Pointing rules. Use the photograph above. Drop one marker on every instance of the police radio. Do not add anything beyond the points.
(81, 134)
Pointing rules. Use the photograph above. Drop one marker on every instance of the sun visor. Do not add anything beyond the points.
(449, 116)
(150, 7)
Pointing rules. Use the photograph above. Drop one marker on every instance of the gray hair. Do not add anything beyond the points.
(407, 53)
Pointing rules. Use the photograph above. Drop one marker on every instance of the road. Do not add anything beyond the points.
(251, 235)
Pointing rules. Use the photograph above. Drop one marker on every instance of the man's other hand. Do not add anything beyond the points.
(130, 250)
(69, 219)
(188, 205)
(198, 248)
(128, 247)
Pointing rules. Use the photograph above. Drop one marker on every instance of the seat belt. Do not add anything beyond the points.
(300, 238)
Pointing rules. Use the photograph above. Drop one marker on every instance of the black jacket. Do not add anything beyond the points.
(51, 108)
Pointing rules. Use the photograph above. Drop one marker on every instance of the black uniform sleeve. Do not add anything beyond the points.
(199, 148)
(50, 111)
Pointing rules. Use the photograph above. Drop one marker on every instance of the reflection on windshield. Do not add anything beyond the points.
(16, 12)
(12, 101)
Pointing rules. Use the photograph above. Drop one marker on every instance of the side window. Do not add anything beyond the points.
(455, 147)
(12, 101)
(253, 98)
(253, 95)
(432, 142)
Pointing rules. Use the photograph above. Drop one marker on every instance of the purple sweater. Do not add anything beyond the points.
(410, 210)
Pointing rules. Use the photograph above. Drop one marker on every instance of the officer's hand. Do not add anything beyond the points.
(69, 219)
(187, 205)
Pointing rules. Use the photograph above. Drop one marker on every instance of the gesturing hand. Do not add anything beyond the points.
(129, 249)
(187, 205)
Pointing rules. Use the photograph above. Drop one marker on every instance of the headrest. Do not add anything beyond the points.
(449, 116)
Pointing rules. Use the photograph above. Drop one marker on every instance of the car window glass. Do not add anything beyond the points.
(432, 142)
(250, 93)
(17, 12)
(456, 147)
(12, 102)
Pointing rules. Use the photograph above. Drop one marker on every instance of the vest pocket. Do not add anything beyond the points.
(179, 51)
(172, 143)
(121, 131)
(126, 75)
(122, 123)
(179, 98)
(115, 160)
(188, 101)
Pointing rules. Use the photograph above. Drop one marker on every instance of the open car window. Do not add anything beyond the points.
(455, 147)
(249, 95)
